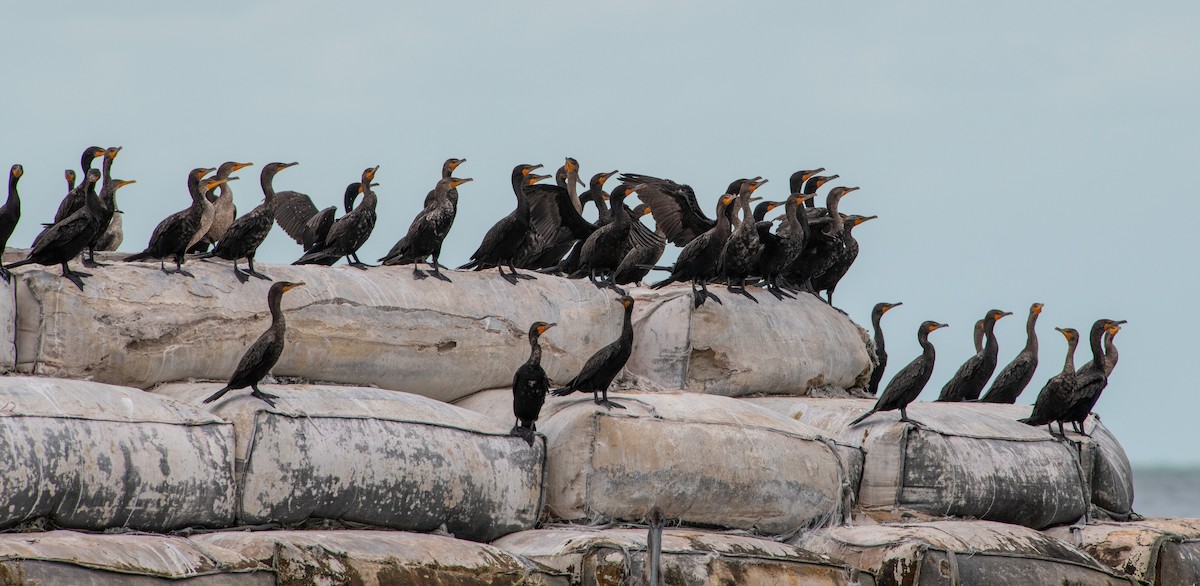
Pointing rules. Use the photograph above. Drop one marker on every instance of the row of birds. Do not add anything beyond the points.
(1067, 397)
(810, 250)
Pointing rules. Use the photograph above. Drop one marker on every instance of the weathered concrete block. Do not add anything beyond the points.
(979, 553)
(960, 462)
(380, 558)
(718, 348)
(377, 457)
(92, 456)
(135, 326)
(70, 558)
(8, 325)
(614, 557)
(1157, 551)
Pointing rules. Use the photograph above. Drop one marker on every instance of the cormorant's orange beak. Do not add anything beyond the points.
(1037, 309)
(458, 182)
(240, 166)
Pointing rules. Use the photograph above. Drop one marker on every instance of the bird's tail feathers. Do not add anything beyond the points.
(143, 255)
(862, 417)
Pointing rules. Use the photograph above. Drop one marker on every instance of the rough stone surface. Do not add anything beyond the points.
(380, 558)
(8, 325)
(93, 456)
(615, 557)
(376, 457)
(1157, 551)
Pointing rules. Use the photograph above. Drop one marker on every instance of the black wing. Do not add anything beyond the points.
(673, 206)
(294, 211)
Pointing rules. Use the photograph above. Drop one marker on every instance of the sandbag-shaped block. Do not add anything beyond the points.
(87, 455)
(718, 348)
(374, 328)
(615, 557)
(1157, 551)
(8, 325)
(959, 462)
(979, 553)
(71, 558)
(380, 558)
(704, 459)
(377, 457)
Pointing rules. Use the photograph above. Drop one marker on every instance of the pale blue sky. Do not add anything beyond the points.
(1015, 152)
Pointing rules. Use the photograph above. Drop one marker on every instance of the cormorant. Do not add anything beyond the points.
(782, 250)
(262, 355)
(647, 248)
(179, 232)
(1053, 401)
(396, 256)
(973, 375)
(349, 232)
(1016, 376)
(1110, 349)
(554, 216)
(843, 257)
(1090, 381)
(113, 236)
(448, 168)
(76, 195)
(428, 230)
(505, 238)
(109, 199)
(880, 351)
(10, 214)
(248, 232)
(813, 184)
(70, 176)
(567, 177)
(64, 240)
(603, 251)
(740, 255)
(910, 381)
(799, 178)
(600, 370)
(595, 194)
(224, 209)
(977, 336)
(823, 248)
(674, 207)
(300, 219)
(698, 259)
(530, 386)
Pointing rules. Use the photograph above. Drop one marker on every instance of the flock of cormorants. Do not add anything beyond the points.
(810, 251)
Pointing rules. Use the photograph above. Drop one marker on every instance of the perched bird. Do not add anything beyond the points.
(698, 259)
(224, 209)
(109, 199)
(76, 195)
(1110, 349)
(10, 214)
(647, 247)
(826, 246)
(300, 219)
(595, 194)
(1013, 379)
(530, 386)
(504, 239)
(349, 232)
(179, 232)
(880, 352)
(604, 249)
(740, 255)
(448, 168)
(782, 250)
(113, 236)
(843, 257)
(910, 381)
(973, 375)
(63, 241)
(555, 221)
(70, 176)
(247, 233)
(262, 355)
(428, 230)
(1090, 381)
(1053, 401)
(600, 370)
(814, 183)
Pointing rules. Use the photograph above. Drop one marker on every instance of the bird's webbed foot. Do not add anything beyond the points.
(418, 274)
(439, 276)
(185, 273)
(524, 433)
(91, 263)
(609, 404)
(743, 292)
(266, 397)
(698, 299)
(76, 277)
(524, 276)
(241, 276)
(512, 279)
(362, 266)
(256, 274)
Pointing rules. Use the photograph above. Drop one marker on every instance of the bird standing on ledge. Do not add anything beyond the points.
(262, 355)
(600, 370)
(530, 386)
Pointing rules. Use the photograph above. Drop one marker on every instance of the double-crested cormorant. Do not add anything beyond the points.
(69, 174)
(1089, 381)
(262, 355)
(600, 370)
(880, 351)
(76, 195)
(10, 213)
(555, 221)
(813, 184)
(567, 177)
(910, 381)
(349, 232)
(973, 375)
(603, 251)
(674, 207)
(799, 178)
(647, 248)
(179, 232)
(1016, 376)
(740, 255)
(594, 194)
(698, 260)
(782, 250)
(300, 219)
(505, 238)
(247, 233)
(64, 240)
(224, 209)
(1053, 401)
(843, 257)
(428, 230)
(448, 168)
(825, 246)
(1110, 349)
(109, 199)
(447, 210)
(530, 386)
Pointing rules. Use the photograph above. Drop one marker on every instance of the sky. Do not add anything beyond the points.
(1015, 152)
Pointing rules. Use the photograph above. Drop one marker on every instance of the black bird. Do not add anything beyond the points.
(880, 351)
(530, 386)
(594, 194)
(224, 210)
(973, 375)
(448, 168)
(824, 247)
(1054, 400)
(647, 248)
(262, 355)
(180, 231)
(300, 219)
(1013, 379)
(698, 260)
(910, 381)
(603, 251)
(811, 186)
(782, 250)
(109, 199)
(76, 196)
(1090, 381)
(247, 233)
(674, 207)
(64, 240)
(555, 221)
(427, 232)
(1110, 349)
(10, 214)
(567, 177)
(400, 253)
(349, 232)
(70, 176)
(504, 239)
(740, 255)
(600, 370)
(843, 257)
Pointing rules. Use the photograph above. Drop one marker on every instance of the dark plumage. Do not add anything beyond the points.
(697, 261)
(740, 256)
(555, 221)
(349, 232)
(977, 336)
(1090, 381)
(69, 174)
(178, 232)
(973, 375)
(811, 184)
(843, 257)
(505, 238)
(300, 219)
(647, 248)
(262, 355)
(76, 196)
(530, 386)
(782, 250)
(674, 207)
(594, 194)
(428, 230)
(10, 213)
(1110, 348)
(910, 381)
(1013, 379)
(1053, 401)
(827, 245)
(448, 168)
(109, 199)
(600, 370)
(247, 233)
(880, 352)
(604, 249)
(224, 209)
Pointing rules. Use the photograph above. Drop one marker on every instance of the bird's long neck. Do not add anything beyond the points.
(267, 181)
(573, 190)
(627, 325)
(14, 200)
(878, 331)
(744, 204)
(518, 185)
(1031, 341)
(274, 301)
(349, 197)
(369, 200)
(1110, 352)
(535, 350)
(106, 168)
(927, 350)
(839, 225)
(810, 187)
(619, 217)
(92, 200)
(1097, 350)
(194, 190)
(85, 162)
(989, 337)
(1069, 364)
